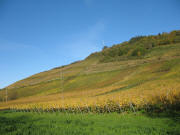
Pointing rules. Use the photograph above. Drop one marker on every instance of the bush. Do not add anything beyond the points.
(138, 51)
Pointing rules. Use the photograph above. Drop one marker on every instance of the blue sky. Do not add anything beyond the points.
(37, 35)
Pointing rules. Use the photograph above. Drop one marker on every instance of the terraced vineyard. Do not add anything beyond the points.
(141, 74)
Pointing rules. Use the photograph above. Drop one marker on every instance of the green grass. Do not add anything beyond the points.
(19, 123)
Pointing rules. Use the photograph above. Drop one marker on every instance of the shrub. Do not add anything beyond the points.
(139, 51)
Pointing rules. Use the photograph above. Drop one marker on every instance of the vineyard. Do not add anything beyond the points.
(98, 102)
(149, 82)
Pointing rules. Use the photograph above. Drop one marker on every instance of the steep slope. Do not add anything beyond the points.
(144, 62)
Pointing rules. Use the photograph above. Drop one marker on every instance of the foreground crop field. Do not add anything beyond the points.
(13, 123)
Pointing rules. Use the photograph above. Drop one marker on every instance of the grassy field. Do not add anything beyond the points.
(20, 123)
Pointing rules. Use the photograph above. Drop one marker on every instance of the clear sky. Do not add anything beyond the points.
(37, 35)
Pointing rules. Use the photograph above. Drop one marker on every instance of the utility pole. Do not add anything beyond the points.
(62, 88)
(6, 95)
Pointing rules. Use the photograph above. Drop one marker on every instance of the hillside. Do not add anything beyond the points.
(142, 64)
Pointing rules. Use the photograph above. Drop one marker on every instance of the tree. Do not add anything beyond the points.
(105, 47)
